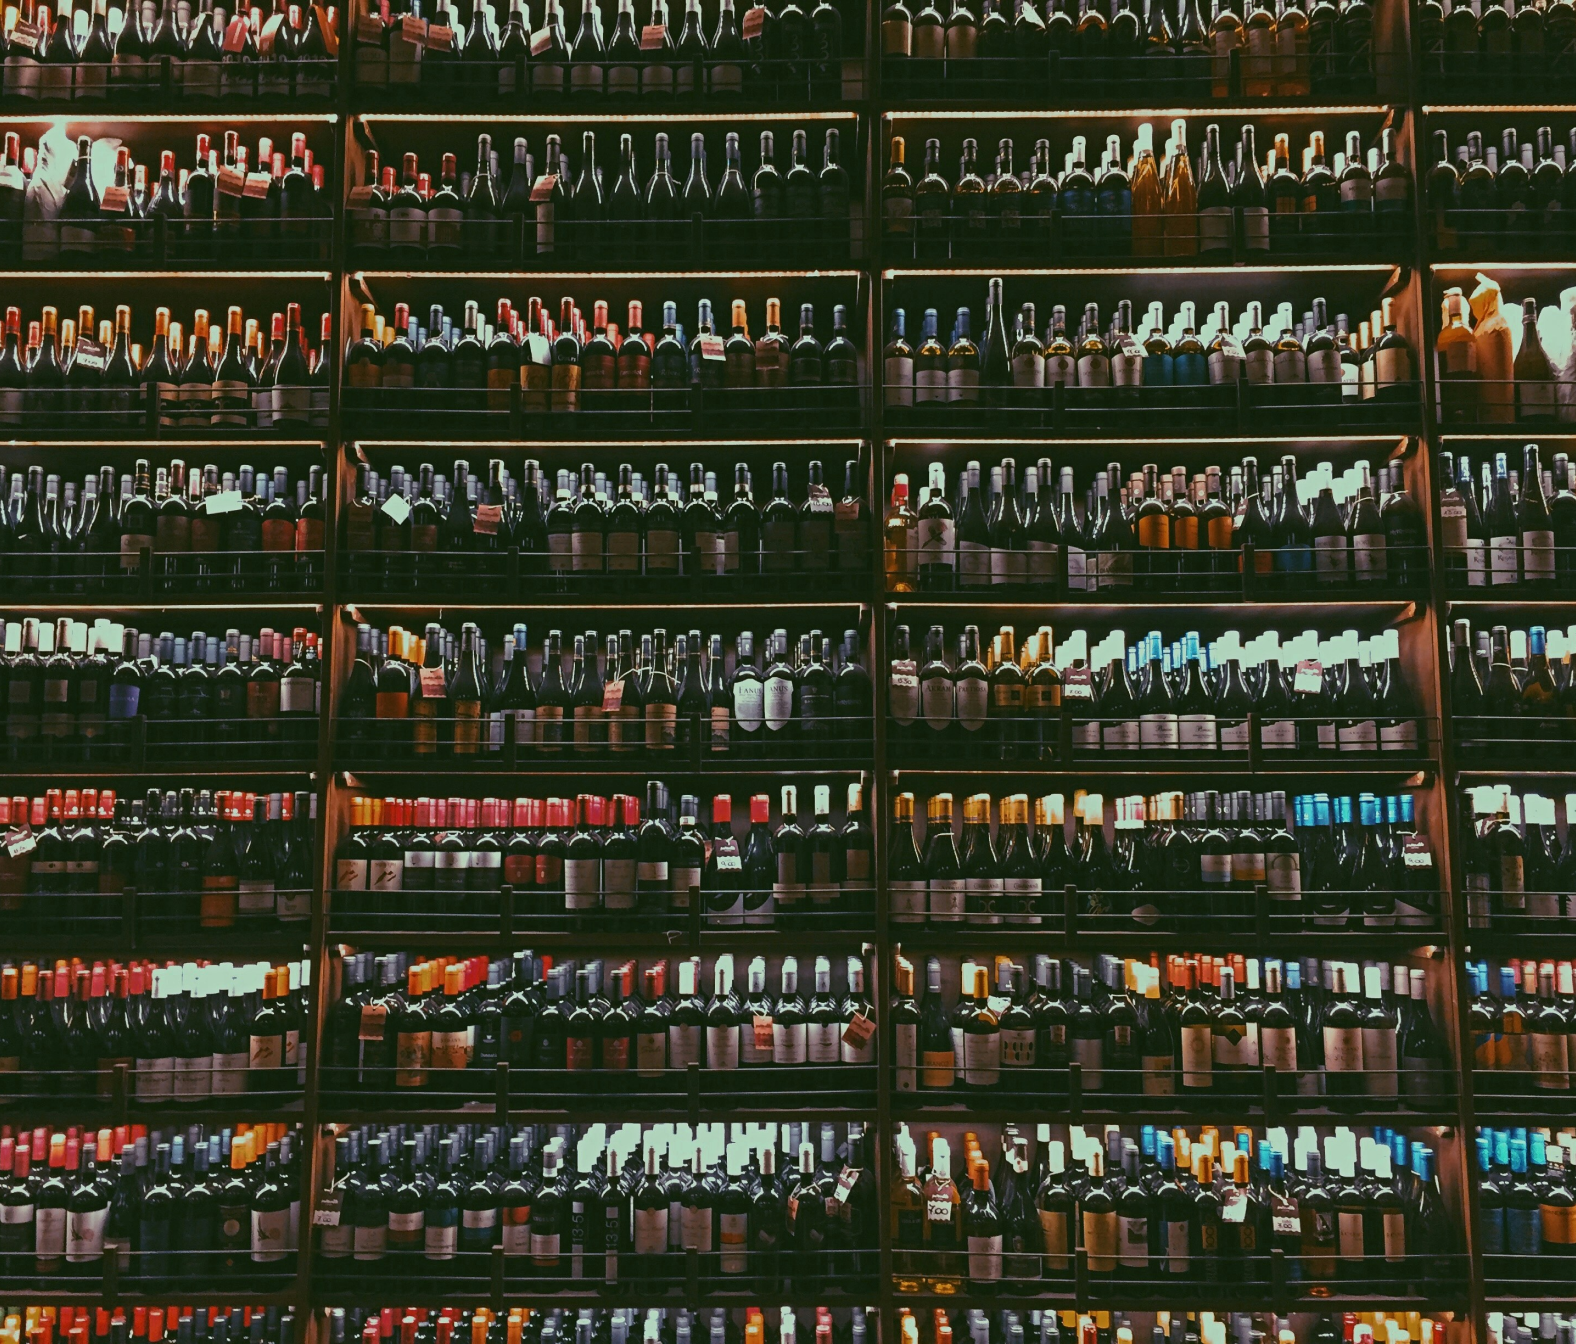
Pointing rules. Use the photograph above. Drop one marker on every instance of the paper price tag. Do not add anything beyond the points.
(113, 202)
(858, 1031)
(1077, 684)
(612, 695)
(541, 41)
(362, 195)
(434, 684)
(369, 29)
(440, 37)
(257, 185)
(652, 35)
(729, 863)
(21, 840)
(326, 1214)
(225, 501)
(846, 510)
(1308, 678)
(90, 354)
(904, 681)
(413, 29)
(712, 347)
(232, 182)
(846, 1182)
(488, 518)
(763, 1031)
(27, 34)
(1233, 1206)
(543, 190)
(754, 22)
(1415, 853)
(373, 1017)
(397, 507)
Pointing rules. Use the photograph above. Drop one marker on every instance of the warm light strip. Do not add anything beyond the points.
(607, 275)
(579, 446)
(223, 115)
(1475, 266)
(1168, 114)
(1170, 273)
(1323, 439)
(216, 275)
(579, 116)
(1476, 109)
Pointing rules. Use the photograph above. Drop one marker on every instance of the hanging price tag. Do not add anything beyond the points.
(712, 347)
(257, 185)
(397, 507)
(373, 1016)
(225, 501)
(1077, 684)
(652, 35)
(541, 42)
(763, 1031)
(1308, 678)
(846, 510)
(362, 195)
(754, 22)
(729, 863)
(439, 37)
(369, 29)
(845, 1184)
(858, 1031)
(232, 182)
(113, 202)
(488, 517)
(90, 354)
(326, 1214)
(434, 685)
(612, 695)
(20, 840)
(413, 29)
(543, 190)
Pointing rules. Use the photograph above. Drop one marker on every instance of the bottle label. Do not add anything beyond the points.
(1101, 1240)
(1537, 556)
(937, 540)
(1362, 735)
(1260, 365)
(1054, 1229)
(1158, 731)
(1256, 228)
(985, 1259)
(1198, 1056)
(1400, 736)
(778, 703)
(1393, 364)
(722, 1047)
(733, 1233)
(1215, 229)
(1324, 366)
(899, 375)
(85, 1234)
(1343, 1050)
(1283, 874)
(947, 899)
(582, 884)
(789, 1045)
(982, 1058)
(271, 1233)
(1133, 1252)
(1017, 1049)
(685, 1044)
(1122, 735)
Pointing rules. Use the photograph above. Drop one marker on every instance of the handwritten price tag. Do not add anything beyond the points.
(763, 1031)
(858, 1031)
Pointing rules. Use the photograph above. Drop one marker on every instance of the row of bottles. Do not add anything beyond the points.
(1143, 208)
(1156, 531)
(433, 696)
(570, 366)
(1521, 1027)
(1354, 1210)
(176, 1210)
(78, 693)
(1311, 353)
(1479, 199)
(1513, 864)
(1158, 698)
(1174, 861)
(622, 534)
(1489, 373)
(442, 1026)
(626, 1207)
(1210, 1031)
(212, 531)
(186, 1033)
(558, 214)
(580, 862)
(64, 379)
(1266, 50)
(791, 53)
(197, 859)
